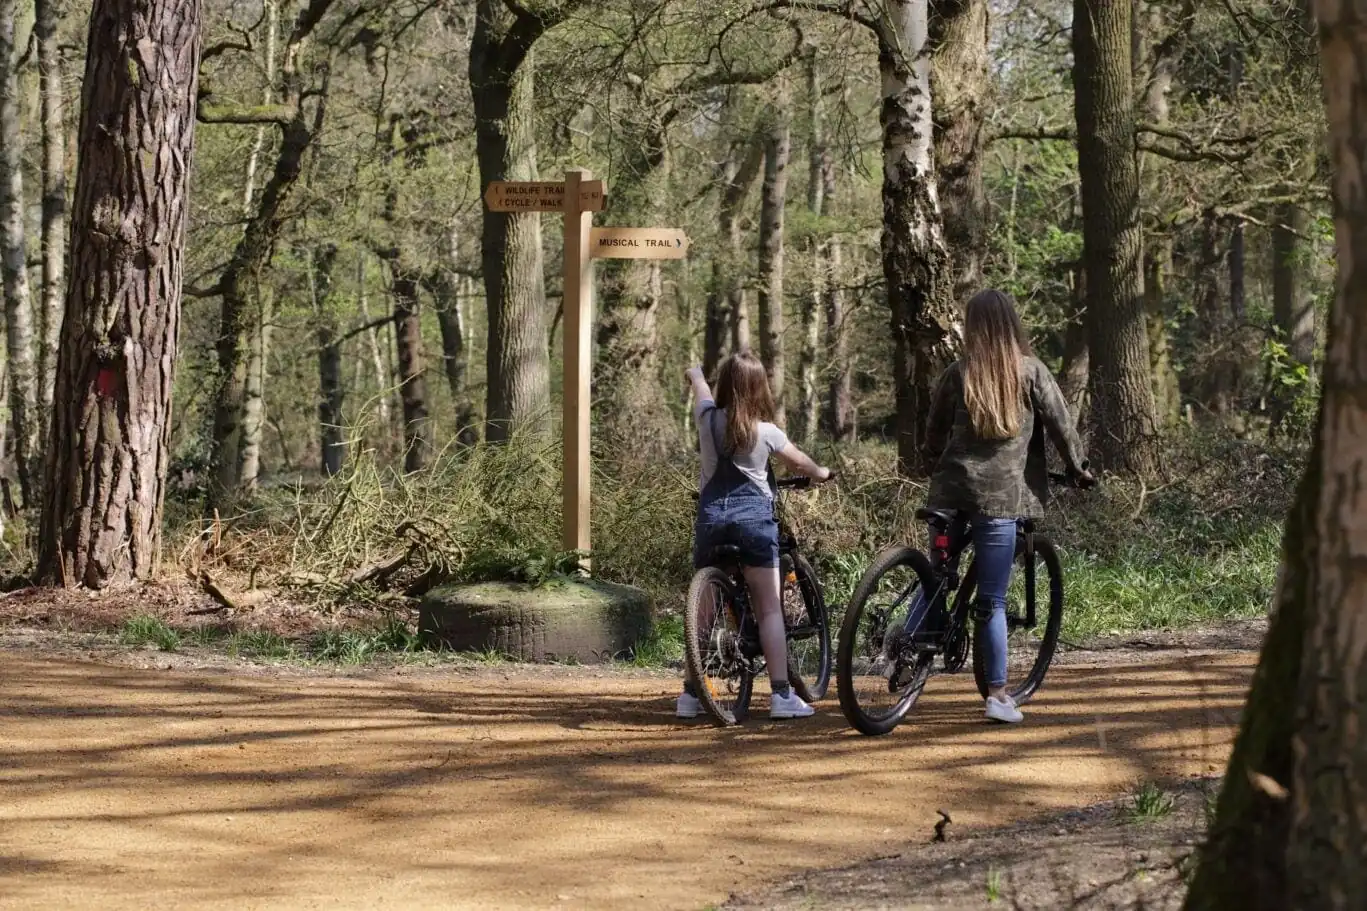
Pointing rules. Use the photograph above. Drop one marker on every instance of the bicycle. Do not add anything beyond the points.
(721, 635)
(896, 656)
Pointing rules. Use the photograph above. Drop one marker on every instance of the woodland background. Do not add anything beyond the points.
(367, 380)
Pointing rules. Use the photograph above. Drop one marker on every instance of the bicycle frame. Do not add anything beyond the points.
(948, 544)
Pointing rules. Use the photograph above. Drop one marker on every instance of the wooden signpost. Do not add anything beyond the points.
(578, 197)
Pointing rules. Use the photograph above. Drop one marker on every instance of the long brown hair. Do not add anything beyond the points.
(995, 347)
(743, 393)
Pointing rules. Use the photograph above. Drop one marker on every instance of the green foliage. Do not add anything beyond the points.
(349, 646)
(510, 561)
(994, 886)
(144, 630)
(260, 644)
(665, 646)
(1149, 803)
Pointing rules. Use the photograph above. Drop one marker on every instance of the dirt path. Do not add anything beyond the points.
(165, 786)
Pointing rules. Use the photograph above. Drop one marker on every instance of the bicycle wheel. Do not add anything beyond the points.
(809, 631)
(1028, 651)
(879, 677)
(721, 673)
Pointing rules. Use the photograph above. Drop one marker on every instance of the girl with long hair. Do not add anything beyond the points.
(983, 418)
(736, 506)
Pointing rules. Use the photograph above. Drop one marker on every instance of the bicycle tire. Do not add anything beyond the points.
(862, 721)
(814, 600)
(704, 683)
(1022, 692)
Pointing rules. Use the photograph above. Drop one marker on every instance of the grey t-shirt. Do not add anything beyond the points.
(769, 439)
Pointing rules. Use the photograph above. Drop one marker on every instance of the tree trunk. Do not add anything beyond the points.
(505, 136)
(959, 85)
(53, 131)
(1293, 307)
(726, 300)
(417, 428)
(1122, 409)
(111, 430)
(630, 404)
(14, 264)
(384, 378)
(272, 15)
(1238, 303)
(1299, 841)
(1243, 863)
(445, 288)
(818, 154)
(1152, 20)
(1072, 379)
(1328, 840)
(840, 396)
(331, 442)
(254, 392)
(922, 312)
(773, 202)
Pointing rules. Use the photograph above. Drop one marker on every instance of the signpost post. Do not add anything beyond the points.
(578, 197)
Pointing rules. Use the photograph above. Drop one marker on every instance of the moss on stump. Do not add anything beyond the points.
(582, 620)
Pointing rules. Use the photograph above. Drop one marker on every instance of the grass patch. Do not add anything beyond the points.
(664, 646)
(994, 886)
(260, 644)
(144, 630)
(1149, 803)
(361, 646)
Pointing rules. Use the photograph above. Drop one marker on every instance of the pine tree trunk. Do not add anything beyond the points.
(106, 473)
(726, 299)
(1242, 866)
(53, 131)
(915, 261)
(417, 425)
(1123, 419)
(331, 442)
(518, 359)
(959, 84)
(14, 264)
(1328, 843)
(773, 203)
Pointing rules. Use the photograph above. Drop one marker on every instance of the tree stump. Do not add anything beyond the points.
(581, 620)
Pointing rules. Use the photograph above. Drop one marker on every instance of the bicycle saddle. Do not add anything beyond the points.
(940, 518)
(723, 554)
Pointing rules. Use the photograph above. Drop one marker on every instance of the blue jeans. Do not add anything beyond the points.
(994, 554)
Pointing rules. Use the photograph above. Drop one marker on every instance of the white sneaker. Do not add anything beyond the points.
(688, 706)
(790, 706)
(1005, 712)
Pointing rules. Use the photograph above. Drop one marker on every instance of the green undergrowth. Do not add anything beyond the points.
(1196, 545)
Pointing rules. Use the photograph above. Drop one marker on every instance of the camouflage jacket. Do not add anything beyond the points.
(997, 478)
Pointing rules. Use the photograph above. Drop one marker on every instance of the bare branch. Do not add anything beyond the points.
(373, 324)
(843, 10)
(217, 50)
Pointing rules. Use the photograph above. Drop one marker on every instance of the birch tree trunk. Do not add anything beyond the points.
(1123, 420)
(14, 265)
(914, 256)
(773, 202)
(254, 391)
(53, 129)
(106, 473)
(818, 153)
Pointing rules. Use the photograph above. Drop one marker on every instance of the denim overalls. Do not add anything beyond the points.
(733, 510)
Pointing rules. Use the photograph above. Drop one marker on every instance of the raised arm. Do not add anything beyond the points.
(1049, 404)
(798, 462)
(702, 393)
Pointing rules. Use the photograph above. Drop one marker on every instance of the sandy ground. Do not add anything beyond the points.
(137, 780)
